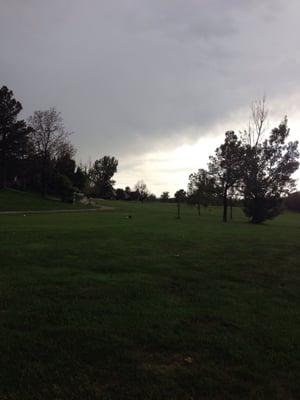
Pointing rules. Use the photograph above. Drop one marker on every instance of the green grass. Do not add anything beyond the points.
(99, 306)
(15, 200)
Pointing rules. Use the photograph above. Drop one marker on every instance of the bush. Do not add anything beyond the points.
(64, 188)
(293, 202)
(263, 208)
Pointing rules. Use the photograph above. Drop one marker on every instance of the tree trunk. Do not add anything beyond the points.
(225, 205)
(198, 207)
(231, 213)
(44, 177)
(256, 218)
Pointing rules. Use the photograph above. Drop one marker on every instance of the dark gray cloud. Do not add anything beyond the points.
(131, 76)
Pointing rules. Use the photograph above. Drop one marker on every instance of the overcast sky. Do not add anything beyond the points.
(155, 83)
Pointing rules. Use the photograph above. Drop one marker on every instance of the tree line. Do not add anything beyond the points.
(249, 168)
(38, 155)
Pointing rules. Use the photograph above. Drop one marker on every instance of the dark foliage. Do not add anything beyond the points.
(292, 202)
(141, 190)
(180, 196)
(225, 167)
(201, 189)
(101, 176)
(64, 188)
(49, 139)
(80, 179)
(164, 197)
(267, 171)
(13, 139)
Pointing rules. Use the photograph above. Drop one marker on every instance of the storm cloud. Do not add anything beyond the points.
(137, 76)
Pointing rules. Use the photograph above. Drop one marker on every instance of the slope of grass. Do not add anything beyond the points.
(15, 200)
(99, 306)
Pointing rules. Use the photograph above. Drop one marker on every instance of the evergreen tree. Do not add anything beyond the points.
(13, 137)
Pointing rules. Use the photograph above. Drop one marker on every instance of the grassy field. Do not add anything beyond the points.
(99, 306)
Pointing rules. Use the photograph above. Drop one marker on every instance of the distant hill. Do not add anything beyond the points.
(15, 200)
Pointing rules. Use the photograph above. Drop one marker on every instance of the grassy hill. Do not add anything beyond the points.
(15, 200)
(100, 306)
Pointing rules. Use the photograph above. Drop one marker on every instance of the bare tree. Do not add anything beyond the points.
(258, 122)
(142, 190)
(49, 139)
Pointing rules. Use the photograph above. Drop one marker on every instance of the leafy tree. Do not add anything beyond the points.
(164, 197)
(142, 190)
(180, 196)
(267, 170)
(101, 176)
(50, 140)
(13, 137)
(200, 188)
(225, 167)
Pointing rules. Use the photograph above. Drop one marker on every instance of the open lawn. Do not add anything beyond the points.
(99, 306)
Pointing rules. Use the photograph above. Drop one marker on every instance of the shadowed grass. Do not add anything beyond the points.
(15, 200)
(99, 306)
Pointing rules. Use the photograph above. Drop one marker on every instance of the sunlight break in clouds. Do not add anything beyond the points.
(169, 170)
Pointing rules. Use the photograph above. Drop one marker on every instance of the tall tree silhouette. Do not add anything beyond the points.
(225, 166)
(101, 176)
(13, 135)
